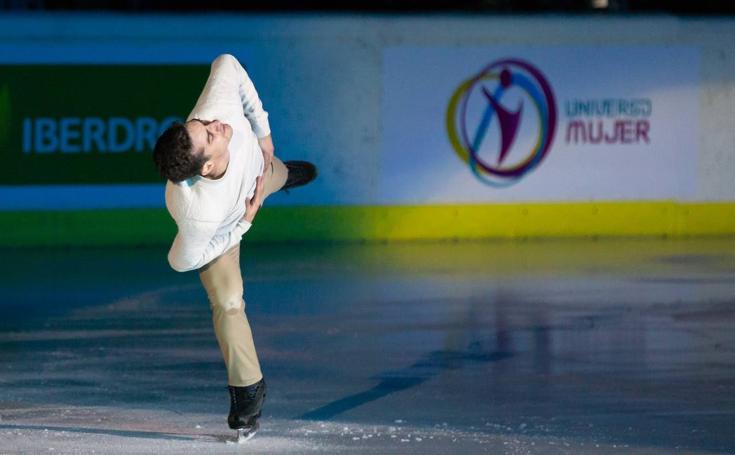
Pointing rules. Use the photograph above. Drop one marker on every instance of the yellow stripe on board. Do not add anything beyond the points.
(385, 223)
(509, 220)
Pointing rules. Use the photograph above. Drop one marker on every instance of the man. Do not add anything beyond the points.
(220, 167)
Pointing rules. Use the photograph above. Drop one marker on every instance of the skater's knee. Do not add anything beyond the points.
(231, 304)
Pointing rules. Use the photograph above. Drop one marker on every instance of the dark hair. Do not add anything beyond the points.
(174, 154)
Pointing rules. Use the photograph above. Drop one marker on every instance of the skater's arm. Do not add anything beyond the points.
(230, 92)
(252, 106)
(196, 244)
(253, 204)
(267, 148)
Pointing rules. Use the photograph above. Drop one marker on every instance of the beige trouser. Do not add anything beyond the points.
(223, 282)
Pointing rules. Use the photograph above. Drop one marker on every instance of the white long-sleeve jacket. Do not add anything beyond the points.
(208, 213)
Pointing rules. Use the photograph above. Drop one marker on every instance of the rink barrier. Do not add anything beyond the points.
(384, 223)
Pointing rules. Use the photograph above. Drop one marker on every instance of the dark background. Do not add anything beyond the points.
(484, 6)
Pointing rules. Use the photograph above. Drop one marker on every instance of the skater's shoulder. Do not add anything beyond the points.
(178, 198)
(188, 200)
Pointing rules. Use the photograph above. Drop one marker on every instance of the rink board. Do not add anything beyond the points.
(384, 223)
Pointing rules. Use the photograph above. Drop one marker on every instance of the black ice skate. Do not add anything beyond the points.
(245, 406)
(299, 173)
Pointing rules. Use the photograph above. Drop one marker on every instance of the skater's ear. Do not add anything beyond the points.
(207, 168)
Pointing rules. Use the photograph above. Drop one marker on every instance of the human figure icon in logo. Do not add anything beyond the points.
(509, 121)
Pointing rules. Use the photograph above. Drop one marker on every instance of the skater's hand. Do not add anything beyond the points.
(266, 146)
(253, 204)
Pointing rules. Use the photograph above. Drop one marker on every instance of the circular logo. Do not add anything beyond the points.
(498, 142)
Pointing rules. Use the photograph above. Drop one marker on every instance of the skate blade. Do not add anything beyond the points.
(244, 435)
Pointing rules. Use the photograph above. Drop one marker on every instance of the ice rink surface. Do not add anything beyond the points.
(548, 347)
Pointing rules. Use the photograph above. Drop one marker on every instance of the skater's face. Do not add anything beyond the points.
(211, 138)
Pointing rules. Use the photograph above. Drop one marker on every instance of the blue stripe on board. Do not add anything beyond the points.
(70, 197)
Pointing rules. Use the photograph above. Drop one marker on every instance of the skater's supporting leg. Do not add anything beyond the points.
(223, 283)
